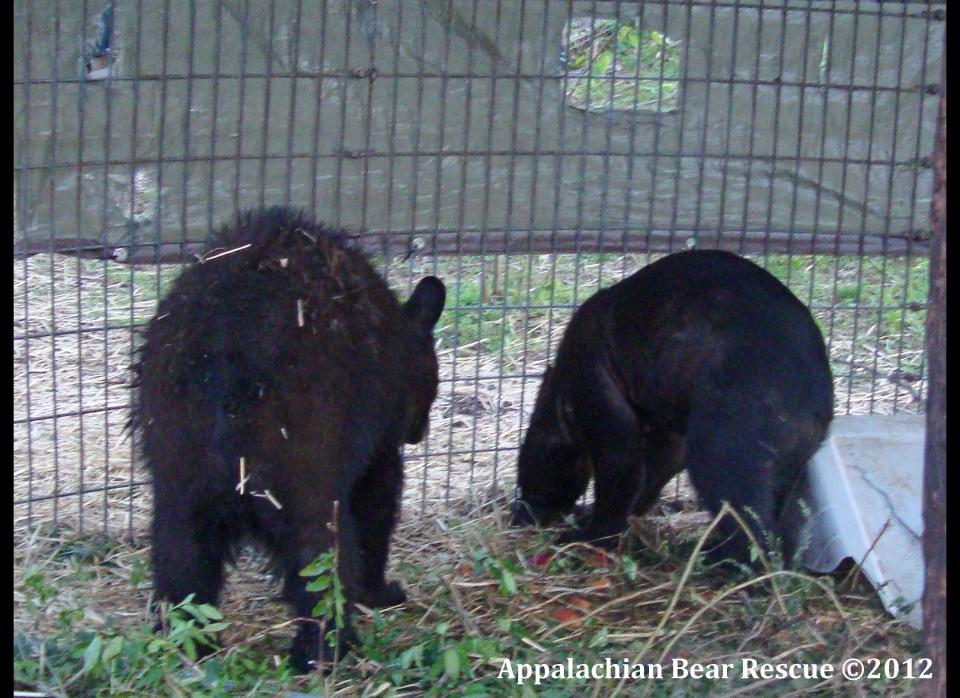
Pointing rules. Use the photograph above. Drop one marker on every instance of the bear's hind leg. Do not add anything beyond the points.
(793, 500)
(188, 554)
(729, 460)
(310, 644)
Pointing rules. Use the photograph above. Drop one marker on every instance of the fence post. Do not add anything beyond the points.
(934, 505)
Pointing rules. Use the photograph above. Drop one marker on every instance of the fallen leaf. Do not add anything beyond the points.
(541, 559)
(599, 558)
(567, 615)
(600, 583)
(579, 602)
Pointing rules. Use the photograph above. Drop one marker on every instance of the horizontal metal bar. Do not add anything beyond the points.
(917, 163)
(354, 74)
(78, 493)
(72, 413)
(447, 242)
(73, 332)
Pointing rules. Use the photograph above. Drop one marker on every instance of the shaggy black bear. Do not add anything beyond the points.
(701, 360)
(281, 375)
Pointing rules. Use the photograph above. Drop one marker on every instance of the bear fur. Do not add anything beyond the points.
(701, 361)
(284, 348)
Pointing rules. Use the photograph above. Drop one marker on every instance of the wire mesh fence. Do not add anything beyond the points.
(528, 152)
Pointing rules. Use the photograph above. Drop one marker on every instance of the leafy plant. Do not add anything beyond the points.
(332, 603)
(111, 661)
(501, 569)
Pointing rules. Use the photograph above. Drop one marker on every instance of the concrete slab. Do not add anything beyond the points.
(867, 505)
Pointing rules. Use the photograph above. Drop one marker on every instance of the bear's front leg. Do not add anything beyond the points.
(612, 435)
(375, 503)
(615, 482)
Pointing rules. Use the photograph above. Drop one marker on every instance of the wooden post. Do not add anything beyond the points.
(934, 485)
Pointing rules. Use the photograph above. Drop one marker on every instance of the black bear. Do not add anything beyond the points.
(279, 375)
(701, 360)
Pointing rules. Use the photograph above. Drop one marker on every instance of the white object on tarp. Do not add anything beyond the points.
(867, 505)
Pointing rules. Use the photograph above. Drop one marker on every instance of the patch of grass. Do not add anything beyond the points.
(480, 595)
(151, 282)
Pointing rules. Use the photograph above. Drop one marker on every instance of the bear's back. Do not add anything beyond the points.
(278, 291)
(704, 318)
(286, 329)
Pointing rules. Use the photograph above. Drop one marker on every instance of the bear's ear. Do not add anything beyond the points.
(423, 308)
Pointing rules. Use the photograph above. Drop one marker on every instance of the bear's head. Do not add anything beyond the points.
(552, 471)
